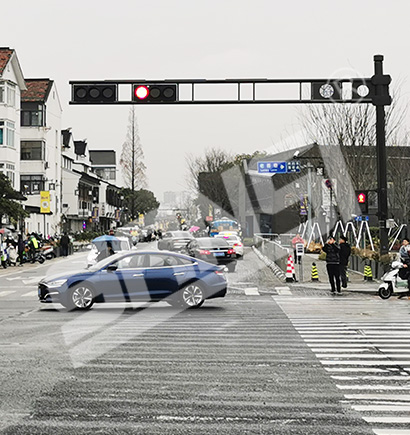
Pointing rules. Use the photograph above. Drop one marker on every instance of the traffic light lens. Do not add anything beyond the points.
(155, 93)
(361, 198)
(108, 93)
(81, 93)
(94, 93)
(168, 93)
(141, 92)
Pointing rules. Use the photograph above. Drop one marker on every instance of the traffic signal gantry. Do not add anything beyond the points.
(372, 90)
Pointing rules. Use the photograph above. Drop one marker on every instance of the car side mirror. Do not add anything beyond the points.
(112, 268)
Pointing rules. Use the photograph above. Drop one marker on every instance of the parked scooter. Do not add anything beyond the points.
(49, 252)
(392, 283)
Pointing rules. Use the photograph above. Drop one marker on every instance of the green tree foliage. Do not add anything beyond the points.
(8, 204)
(142, 201)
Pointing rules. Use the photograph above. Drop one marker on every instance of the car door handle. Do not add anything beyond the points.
(179, 273)
(138, 274)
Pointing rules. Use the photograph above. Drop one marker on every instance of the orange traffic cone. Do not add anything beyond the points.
(290, 270)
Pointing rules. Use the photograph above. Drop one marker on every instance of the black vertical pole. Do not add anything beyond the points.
(381, 90)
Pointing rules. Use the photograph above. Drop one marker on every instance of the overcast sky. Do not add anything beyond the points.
(127, 39)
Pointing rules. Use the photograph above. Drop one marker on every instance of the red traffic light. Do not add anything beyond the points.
(158, 93)
(361, 198)
(141, 92)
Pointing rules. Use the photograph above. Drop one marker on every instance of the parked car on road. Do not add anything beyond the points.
(136, 276)
(213, 250)
(234, 241)
(175, 240)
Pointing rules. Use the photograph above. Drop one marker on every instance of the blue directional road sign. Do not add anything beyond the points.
(272, 167)
(294, 166)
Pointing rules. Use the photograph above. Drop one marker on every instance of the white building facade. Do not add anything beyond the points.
(40, 155)
(11, 85)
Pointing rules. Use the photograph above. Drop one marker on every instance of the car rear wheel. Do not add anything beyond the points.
(80, 297)
(192, 296)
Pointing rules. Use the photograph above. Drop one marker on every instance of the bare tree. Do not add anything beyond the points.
(349, 132)
(132, 159)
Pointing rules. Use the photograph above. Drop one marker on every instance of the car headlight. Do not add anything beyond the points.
(56, 283)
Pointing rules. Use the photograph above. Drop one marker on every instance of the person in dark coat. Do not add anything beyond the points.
(333, 264)
(21, 247)
(345, 251)
(64, 242)
(109, 250)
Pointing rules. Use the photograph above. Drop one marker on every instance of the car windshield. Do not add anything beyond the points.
(105, 262)
(212, 243)
(117, 245)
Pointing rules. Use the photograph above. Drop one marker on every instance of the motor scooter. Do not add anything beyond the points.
(392, 283)
(49, 252)
(38, 256)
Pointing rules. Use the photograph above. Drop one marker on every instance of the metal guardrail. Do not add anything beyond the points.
(270, 245)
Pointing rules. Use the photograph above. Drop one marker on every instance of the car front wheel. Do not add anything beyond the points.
(80, 297)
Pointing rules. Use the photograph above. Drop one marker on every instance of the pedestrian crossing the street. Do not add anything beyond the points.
(369, 362)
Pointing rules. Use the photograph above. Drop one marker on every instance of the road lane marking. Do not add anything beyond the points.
(383, 419)
(356, 369)
(252, 291)
(373, 387)
(30, 294)
(33, 279)
(402, 397)
(391, 431)
(388, 377)
(13, 279)
(6, 293)
(283, 291)
(367, 363)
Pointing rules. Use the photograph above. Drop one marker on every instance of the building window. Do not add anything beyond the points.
(31, 184)
(32, 150)
(2, 92)
(7, 131)
(11, 95)
(105, 173)
(66, 163)
(8, 170)
(32, 115)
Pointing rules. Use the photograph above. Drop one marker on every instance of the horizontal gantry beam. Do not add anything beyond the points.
(223, 91)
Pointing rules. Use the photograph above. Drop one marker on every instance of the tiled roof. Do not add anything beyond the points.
(37, 90)
(5, 55)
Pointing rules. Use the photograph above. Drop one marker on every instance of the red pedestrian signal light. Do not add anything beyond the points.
(158, 93)
(362, 199)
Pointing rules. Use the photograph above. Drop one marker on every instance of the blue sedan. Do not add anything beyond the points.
(178, 279)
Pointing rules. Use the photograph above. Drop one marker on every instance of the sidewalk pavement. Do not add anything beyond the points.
(29, 266)
(356, 280)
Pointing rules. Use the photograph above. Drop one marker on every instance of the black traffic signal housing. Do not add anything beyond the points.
(94, 93)
(362, 198)
(148, 93)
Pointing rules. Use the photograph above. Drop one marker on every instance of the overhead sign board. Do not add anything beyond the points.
(278, 167)
(272, 167)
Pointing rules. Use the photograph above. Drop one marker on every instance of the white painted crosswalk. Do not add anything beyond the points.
(369, 363)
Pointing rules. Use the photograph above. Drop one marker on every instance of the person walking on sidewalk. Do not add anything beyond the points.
(332, 251)
(297, 239)
(20, 249)
(345, 251)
